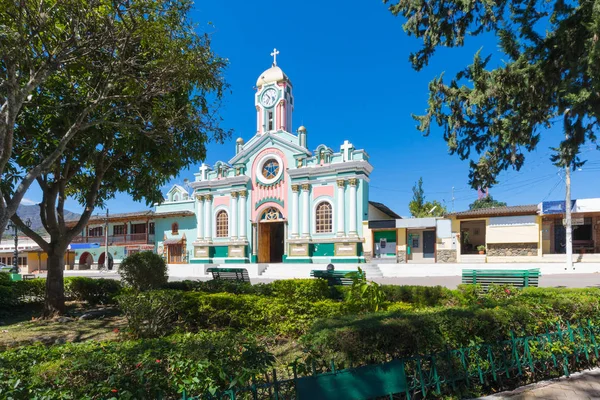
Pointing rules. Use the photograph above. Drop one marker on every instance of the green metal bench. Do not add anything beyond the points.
(515, 277)
(230, 274)
(334, 278)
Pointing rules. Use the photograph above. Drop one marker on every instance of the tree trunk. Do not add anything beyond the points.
(55, 286)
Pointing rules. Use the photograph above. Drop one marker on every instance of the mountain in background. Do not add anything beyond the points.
(33, 213)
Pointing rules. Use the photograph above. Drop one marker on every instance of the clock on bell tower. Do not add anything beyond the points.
(274, 100)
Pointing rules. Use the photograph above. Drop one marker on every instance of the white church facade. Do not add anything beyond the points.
(276, 200)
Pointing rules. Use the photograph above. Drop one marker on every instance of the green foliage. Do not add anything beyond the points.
(419, 296)
(156, 313)
(144, 271)
(92, 291)
(153, 313)
(4, 278)
(301, 289)
(476, 317)
(142, 369)
(496, 108)
(364, 295)
(486, 202)
(419, 208)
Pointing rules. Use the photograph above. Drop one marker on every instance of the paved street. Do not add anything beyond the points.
(581, 386)
(557, 280)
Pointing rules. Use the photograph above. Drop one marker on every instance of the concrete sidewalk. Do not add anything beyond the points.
(581, 385)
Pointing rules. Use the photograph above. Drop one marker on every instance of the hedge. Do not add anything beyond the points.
(155, 313)
(93, 291)
(491, 317)
(199, 363)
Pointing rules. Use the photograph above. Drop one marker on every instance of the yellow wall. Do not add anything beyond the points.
(513, 234)
(401, 237)
(368, 236)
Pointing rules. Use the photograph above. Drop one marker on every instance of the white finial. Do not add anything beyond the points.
(274, 54)
(345, 148)
(203, 170)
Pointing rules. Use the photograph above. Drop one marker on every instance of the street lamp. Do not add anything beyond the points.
(12, 225)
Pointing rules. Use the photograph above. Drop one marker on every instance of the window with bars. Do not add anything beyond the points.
(175, 228)
(119, 229)
(323, 222)
(222, 224)
(95, 231)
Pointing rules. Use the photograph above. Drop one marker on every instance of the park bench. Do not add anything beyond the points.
(230, 274)
(515, 277)
(334, 278)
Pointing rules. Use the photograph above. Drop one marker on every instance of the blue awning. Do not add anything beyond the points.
(75, 246)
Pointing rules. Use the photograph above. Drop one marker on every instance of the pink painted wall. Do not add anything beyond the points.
(278, 191)
(318, 191)
(221, 201)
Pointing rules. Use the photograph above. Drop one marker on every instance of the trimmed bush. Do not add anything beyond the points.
(145, 369)
(144, 271)
(419, 296)
(92, 291)
(156, 313)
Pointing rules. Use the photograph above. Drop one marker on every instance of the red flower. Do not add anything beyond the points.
(158, 361)
(507, 291)
(114, 390)
(138, 365)
(116, 330)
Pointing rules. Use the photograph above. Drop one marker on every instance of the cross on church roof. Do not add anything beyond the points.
(345, 148)
(274, 54)
(203, 170)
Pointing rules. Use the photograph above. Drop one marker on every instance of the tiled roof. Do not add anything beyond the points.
(529, 209)
(384, 209)
(149, 214)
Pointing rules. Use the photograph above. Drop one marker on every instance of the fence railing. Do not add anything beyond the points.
(143, 238)
(562, 349)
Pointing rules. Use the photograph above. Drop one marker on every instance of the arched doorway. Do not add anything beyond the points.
(86, 260)
(271, 236)
(101, 260)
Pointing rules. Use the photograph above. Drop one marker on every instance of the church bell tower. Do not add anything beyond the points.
(274, 100)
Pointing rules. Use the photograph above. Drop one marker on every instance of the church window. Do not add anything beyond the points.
(175, 228)
(323, 223)
(270, 119)
(270, 169)
(222, 224)
(271, 214)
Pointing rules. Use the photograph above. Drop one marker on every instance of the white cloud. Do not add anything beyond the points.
(28, 202)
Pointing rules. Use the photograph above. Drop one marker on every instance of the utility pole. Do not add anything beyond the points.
(106, 242)
(568, 225)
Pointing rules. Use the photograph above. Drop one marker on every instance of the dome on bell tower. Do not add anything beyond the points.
(273, 74)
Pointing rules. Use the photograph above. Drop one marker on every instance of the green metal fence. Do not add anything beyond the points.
(483, 367)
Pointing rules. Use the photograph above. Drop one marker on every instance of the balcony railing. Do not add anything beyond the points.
(131, 238)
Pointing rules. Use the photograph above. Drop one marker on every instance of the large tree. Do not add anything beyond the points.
(108, 51)
(420, 208)
(135, 143)
(486, 202)
(549, 73)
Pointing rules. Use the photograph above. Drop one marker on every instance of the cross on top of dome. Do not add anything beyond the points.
(274, 54)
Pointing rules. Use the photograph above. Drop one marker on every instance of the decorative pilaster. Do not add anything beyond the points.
(295, 210)
(208, 217)
(341, 184)
(234, 213)
(243, 195)
(305, 211)
(352, 194)
(199, 219)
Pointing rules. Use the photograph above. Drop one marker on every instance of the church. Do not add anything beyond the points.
(277, 200)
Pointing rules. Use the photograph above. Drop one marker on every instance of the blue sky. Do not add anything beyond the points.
(348, 62)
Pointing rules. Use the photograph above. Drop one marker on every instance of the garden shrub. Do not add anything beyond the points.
(419, 296)
(92, 291)
(491, 317)
(4, 278)
(153, 313)
(144, 271)
(30, 291)
(301, 289)
(206, 362)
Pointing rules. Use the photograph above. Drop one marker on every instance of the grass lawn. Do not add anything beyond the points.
(22, 326)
